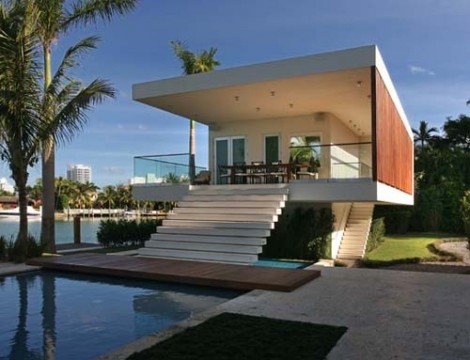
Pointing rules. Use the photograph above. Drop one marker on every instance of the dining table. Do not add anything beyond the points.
(252, 171)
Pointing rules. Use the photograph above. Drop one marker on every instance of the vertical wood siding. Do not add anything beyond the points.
(393, 147)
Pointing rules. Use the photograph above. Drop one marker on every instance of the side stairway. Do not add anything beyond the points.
(354, 241)
(219, 223)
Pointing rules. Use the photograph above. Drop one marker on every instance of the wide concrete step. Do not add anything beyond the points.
(194, 246)
(228, 210)
(198, 255)
(250, 233)
(232, 204)
(219, 224)
(257, 241)
(247, 190)
(233, 198)
(224, 217)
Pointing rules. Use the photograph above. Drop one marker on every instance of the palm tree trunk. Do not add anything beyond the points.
(22, 239)
(192, 151)
(48, 174)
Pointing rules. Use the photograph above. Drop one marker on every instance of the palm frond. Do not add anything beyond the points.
(84, 12)
(72, 116)
(69, 61)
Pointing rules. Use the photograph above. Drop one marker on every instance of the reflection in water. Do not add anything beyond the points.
(19, 347)
(49, 315)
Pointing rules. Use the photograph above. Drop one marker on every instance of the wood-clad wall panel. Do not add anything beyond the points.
(393, 147)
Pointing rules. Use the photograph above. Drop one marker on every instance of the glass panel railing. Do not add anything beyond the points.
(169, 168)
(333, 161)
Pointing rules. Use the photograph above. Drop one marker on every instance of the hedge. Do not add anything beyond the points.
(302, 234)
(126, 232)
(376, 234)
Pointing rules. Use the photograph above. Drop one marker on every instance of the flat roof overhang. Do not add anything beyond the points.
(338, 82)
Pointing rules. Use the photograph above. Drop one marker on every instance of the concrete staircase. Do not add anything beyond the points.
(219, 223)
(354, 241)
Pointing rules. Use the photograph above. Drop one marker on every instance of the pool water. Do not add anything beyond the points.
(265, 262)
(52, 315)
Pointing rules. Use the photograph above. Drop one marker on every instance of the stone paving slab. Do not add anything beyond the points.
(389, 314)
(9, 268)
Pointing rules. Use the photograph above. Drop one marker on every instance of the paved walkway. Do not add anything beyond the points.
(8, 268)
(389, 314)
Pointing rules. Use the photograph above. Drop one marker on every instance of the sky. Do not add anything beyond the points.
(425, 45)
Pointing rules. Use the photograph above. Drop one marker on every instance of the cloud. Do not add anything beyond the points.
(416, 70)
(113, 170)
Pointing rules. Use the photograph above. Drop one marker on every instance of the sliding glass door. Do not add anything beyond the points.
(228, 151)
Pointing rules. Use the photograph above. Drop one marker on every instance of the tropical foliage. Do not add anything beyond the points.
(126, 232)
(25, 102)
(301, 234)
(55, 19)
(442, 176)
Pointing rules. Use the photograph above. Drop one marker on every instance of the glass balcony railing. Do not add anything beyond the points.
(332, 161)
(169, 168)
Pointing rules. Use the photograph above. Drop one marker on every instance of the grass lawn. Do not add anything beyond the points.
(233, 336)
(407, 248)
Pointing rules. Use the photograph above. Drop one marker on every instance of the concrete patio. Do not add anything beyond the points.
(389, 314)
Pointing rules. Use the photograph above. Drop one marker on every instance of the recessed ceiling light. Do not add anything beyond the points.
(273, 93)
(258, 109)
(237, 98)
(291, 105)
(359, 83)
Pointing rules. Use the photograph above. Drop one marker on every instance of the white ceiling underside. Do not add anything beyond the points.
(346, 94)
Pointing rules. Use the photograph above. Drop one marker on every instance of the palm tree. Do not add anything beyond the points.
(56, 18)
(109, 196)
(30, 116)
(423, 134)
(19, 100)
(193, 63)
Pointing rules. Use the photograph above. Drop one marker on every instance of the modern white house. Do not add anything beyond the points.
(325, 130)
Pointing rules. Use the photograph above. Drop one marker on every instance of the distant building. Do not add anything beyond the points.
(79, 173)
(5, 186)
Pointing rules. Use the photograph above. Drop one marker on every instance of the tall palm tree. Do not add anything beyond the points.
(19, 100)
(423, 134)
(194, 63)
(29, 115)
(57, 17)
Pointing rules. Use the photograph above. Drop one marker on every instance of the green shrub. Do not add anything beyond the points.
(396, 218)
(15, 254)
(3, 247)
(465, 210)
(125, 232)
(376, 234)
(303, 234)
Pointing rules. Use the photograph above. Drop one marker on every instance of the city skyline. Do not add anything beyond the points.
(430, 75)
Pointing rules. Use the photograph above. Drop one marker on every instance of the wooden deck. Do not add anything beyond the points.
(241, 277)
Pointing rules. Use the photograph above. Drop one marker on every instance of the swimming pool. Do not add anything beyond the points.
(287, 264)
(51, 315)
